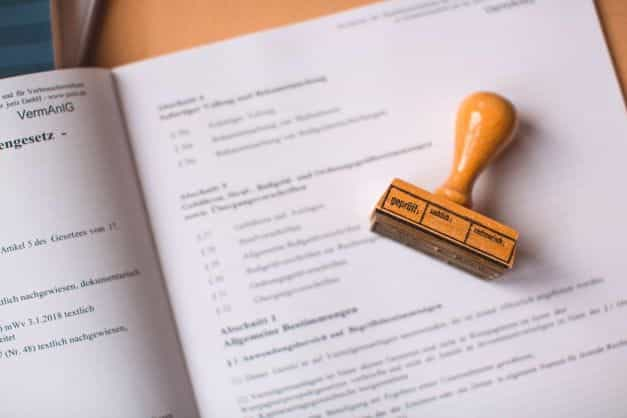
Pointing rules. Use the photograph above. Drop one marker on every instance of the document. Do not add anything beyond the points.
(261, 159)
(85, 326)
(189, 236)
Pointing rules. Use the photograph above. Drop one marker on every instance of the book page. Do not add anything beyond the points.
(262, 158)
(85, 326)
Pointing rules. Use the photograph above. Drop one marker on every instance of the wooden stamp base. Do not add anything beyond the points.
(446, 230)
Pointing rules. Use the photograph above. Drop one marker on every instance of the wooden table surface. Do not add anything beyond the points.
(139, 29)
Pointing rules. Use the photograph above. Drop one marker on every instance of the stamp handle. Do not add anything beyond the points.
(485, 125)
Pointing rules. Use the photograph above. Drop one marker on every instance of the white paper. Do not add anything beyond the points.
(85, 326)
(262, 157)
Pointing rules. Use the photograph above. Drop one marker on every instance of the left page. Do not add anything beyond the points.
(85, 325)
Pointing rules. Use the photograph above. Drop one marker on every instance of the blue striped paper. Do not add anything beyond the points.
(25, 37)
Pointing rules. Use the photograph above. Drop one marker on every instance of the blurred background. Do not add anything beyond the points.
(38, 35)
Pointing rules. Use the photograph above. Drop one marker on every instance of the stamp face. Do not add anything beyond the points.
(446, 222)
(458, 225)
(404, 204)
(490, 242)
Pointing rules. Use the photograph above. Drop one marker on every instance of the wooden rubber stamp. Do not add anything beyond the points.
(442, 223)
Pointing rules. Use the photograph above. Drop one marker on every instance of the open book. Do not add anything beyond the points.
(189, 236)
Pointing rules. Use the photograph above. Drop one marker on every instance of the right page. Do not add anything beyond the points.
(261, 159)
